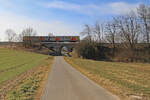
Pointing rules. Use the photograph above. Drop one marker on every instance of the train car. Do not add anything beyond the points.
(36, 39)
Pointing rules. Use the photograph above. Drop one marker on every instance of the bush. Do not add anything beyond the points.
(92, 51)
(98, 51)
(87, 50)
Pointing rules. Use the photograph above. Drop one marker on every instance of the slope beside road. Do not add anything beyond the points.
(66, 83)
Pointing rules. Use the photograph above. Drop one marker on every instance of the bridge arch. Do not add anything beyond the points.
(64, 50)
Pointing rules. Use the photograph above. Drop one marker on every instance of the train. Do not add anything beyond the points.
(37, 39)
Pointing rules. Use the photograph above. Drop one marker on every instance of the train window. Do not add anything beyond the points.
(73, 39)
(41, 38)
(57, 39)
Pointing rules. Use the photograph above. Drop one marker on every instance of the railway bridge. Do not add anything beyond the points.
(58, 44)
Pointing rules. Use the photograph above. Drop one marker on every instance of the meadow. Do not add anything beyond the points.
(14, 63)
(127, 80)
(31, 88)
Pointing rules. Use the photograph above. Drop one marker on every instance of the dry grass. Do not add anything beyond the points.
(31, 88)
(44, 77)
(127, 80)
(22, 74)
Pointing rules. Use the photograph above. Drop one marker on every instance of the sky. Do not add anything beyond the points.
(60, 17)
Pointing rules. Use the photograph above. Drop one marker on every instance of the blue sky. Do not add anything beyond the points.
(61, 17)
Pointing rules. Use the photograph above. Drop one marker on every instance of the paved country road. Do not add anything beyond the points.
(66, 83)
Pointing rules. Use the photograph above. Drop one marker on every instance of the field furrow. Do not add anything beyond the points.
(13, 63)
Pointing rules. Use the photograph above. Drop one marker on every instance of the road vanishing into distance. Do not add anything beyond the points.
(66, 83)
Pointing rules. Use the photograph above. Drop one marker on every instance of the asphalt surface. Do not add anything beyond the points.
(66, 83)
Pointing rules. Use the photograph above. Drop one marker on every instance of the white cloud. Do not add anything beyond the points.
(115, 8)
(122, 7)
(87, 9)
(18, 23)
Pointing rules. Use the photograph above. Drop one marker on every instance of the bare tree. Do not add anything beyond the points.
(50, 34)
(20, 38)
(26, 32)
(129, 29)
(87, 33)
(99, 32)
(144, 14)
(29, 32)
(10, 35)
(111, 33)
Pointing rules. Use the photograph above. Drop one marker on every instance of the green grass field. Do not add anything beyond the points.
(13, 63)
(123, 79)
(31, 87)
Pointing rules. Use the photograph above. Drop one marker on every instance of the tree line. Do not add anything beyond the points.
(12, 36)
(126, 35)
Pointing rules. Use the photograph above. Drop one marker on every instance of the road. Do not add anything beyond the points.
(66, 83)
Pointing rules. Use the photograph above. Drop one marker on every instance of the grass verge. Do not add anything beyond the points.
(126, 80)
(31, 87)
